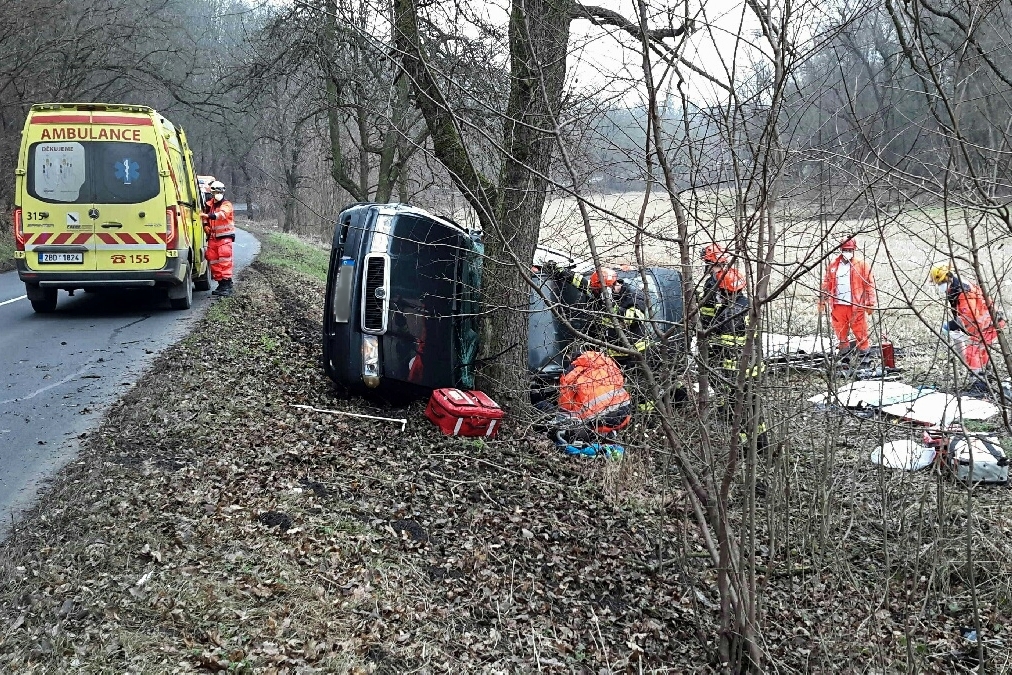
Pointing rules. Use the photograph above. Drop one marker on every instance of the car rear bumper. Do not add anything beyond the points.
(172, 274)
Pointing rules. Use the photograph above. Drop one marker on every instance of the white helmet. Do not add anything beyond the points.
(218, 190)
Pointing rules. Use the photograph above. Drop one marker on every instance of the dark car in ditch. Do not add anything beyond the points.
(403, 303)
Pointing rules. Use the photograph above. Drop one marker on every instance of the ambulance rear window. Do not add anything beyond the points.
(124, 173)
(93, 172)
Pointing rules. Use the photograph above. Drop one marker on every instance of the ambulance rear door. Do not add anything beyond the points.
(132, 209)
(93, 197)
(58, 234)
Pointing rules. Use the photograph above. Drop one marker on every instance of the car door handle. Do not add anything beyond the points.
(116, 225)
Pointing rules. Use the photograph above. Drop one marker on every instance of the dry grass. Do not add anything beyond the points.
(6, 249)
(900, 245)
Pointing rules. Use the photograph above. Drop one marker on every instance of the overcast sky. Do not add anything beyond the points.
(726, 40)
(608, 58)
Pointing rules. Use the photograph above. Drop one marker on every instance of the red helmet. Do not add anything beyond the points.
(714, 254)
(731, 281)
(604, 277)
(849, 244)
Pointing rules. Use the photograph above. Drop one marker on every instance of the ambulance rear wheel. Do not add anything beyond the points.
(185, 301)
(43, 299)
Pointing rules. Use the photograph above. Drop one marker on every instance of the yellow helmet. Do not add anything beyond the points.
(940, 273)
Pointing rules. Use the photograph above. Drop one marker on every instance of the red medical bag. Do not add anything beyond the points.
(464, 413)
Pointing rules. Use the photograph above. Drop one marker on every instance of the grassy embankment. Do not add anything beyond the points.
(6, 250)
(289, 252)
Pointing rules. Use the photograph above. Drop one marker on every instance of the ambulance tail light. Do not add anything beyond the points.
(19, 233)
(171, 229)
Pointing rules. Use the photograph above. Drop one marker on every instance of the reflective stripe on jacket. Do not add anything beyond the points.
(223, 224)
(862, 284)
(630, 307)
(593, 386)
(710, 300)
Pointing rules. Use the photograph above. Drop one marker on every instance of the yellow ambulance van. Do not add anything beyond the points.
(106, 196)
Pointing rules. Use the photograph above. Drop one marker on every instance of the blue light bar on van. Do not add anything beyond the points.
(117, 107)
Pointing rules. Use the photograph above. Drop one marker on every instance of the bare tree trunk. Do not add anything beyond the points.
(509, 212)
(539, 39)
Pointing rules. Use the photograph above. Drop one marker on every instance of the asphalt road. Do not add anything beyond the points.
(59, 372)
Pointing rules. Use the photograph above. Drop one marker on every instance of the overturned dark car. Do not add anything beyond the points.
(403, 303)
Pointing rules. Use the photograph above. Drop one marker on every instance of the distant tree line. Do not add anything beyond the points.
(301, 107)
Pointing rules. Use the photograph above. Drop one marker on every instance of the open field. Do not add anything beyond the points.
(901, 246)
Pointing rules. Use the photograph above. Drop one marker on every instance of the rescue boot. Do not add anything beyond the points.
(978, 387)
(224, 289)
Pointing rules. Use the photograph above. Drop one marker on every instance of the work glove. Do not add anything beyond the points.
(1000, 320)
(869, 311)
(951, 327)
(551, 268)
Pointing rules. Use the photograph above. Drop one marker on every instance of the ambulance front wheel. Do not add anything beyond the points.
(203, 282)
(43, 299)
(181, 297)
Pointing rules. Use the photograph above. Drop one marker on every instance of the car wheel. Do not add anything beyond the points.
(186, 301)
(43, 299)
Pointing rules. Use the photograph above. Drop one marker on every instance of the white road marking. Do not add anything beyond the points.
(7, 302)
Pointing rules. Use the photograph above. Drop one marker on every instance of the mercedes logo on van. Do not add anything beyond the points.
(380, 293)
(93, 213)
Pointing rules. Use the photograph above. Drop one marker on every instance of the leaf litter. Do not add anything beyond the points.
(209, 526)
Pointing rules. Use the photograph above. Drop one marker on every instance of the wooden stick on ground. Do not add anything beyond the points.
(403, 422)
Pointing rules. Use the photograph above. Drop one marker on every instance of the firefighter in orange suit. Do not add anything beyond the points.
(848, 289)
(972, 328)
(219, 224)
(592, 399)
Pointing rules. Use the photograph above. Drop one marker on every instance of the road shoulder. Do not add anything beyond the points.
(210, 524)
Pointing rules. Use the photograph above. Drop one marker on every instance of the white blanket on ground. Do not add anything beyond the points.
(939, 409)
(871, 394)
(777, 344)
(908, 455)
